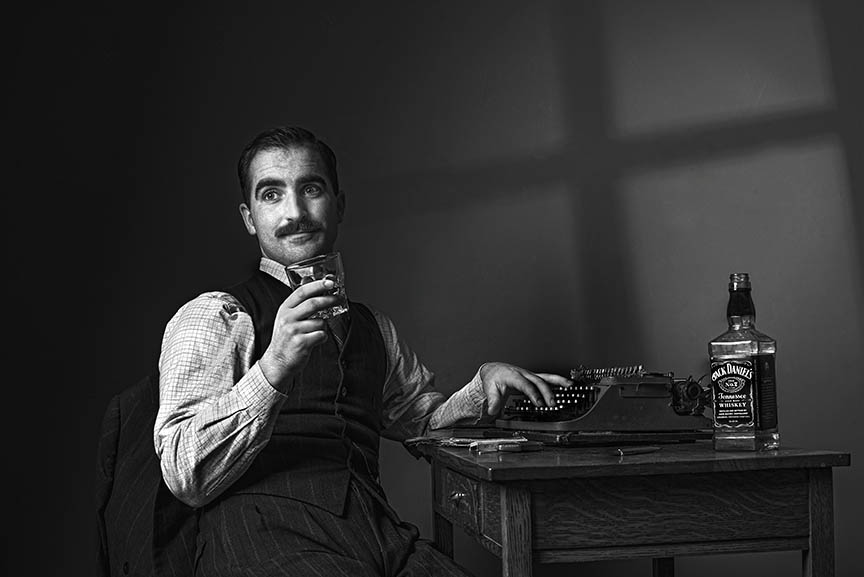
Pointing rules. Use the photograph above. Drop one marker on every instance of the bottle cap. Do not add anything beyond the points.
(739, 280)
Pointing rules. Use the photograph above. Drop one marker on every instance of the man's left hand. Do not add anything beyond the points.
(500, 380)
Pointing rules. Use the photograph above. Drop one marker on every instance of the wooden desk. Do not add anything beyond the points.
(565, 505)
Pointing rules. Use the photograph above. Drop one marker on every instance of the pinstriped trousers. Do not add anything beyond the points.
(266, 536)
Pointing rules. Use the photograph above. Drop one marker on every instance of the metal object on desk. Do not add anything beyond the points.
(624, 451)
(501, 444)
(462, 438)
(526, 447)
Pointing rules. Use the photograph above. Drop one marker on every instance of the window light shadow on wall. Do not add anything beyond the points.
(642, 86)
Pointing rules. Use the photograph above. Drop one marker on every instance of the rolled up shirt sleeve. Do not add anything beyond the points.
(412, 405)
(216, 408)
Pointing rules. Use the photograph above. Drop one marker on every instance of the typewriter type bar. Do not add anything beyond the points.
(582, 374)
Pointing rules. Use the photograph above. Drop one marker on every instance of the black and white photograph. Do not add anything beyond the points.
(432, 288)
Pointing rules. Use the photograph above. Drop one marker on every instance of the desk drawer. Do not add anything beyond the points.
(733, 507)
(456, 498)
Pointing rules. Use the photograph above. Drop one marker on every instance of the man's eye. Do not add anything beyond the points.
(312, 190)
(270, 195)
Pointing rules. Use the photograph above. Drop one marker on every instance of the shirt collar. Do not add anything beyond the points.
(274, 269)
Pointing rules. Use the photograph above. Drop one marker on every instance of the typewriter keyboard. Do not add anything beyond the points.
(570, 402)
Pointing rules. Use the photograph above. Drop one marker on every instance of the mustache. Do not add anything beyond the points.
(298, 226)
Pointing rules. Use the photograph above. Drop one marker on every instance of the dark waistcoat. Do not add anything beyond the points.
(329, 425)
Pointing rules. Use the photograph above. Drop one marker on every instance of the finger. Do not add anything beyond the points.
(543, 387)
(555, 379)
(309, 290)
(493, 400)
(305, 340)
(297, 334)
(314, 338)
(289, 327)
(313, 305)
(309, 326)
(526, 387)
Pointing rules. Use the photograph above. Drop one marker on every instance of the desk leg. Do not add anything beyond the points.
(443, 531)
(818, 560)
(663, 566)
(516, 537)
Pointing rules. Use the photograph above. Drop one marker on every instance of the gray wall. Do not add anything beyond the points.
(545, 183)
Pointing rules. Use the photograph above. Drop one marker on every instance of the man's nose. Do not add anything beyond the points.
(293, 206)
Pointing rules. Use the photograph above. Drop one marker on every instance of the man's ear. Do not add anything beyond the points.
(246, 214)
(340, 206)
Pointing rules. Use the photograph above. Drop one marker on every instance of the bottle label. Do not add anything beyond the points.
(732, 389)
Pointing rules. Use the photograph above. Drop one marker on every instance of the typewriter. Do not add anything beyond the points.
(614, 405)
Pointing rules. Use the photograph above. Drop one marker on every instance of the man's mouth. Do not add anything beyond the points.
(300, 235)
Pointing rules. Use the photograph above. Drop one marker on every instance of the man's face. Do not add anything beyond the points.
(293, 209)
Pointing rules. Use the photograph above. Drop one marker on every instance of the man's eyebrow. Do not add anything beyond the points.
(312, 179)
(265, 182)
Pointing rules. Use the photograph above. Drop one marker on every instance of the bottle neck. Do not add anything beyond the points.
(742, 322)
(741, 313)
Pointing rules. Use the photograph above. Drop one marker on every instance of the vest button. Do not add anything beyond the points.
(344, 392)
(126, 567)
(344, 363)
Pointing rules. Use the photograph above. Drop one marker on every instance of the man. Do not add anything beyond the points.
(269, 420)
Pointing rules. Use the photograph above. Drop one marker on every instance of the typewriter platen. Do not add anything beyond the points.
(615, 404)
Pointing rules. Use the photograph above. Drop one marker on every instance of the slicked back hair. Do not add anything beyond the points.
(284, 138)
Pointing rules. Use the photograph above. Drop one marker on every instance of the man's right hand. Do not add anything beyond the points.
(295, 334)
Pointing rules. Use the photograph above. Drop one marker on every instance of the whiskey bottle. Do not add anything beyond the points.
(743, 388)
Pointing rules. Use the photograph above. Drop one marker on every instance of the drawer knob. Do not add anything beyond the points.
(457, 497)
